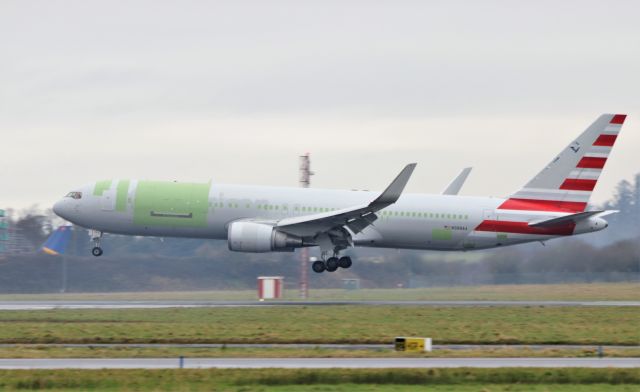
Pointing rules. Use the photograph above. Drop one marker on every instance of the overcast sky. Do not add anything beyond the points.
(235, 91)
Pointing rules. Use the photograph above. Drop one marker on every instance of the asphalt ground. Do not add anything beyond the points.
(48, 305)
(319, 346)
(317, 363)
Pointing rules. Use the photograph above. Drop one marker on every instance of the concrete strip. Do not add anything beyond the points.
(48, 305)
(317, 346)
(317, 363)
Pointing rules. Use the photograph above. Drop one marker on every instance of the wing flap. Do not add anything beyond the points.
(356, 225)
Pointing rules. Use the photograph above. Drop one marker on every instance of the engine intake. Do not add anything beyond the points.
(259, 238)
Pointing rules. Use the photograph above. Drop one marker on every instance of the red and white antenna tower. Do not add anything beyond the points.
(305, 181)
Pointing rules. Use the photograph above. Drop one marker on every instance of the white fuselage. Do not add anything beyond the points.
(415, 221)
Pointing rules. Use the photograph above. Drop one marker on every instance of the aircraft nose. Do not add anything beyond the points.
(61, 208)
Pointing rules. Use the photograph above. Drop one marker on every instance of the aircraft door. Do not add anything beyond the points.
(108, 200)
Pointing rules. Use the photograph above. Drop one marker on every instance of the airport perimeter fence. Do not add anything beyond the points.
(521, 278)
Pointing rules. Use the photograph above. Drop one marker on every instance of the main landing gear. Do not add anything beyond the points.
(95, 238)
(331, 264)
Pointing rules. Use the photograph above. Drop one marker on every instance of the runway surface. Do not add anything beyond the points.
(48, 305)
(312, 346)
(316, 363)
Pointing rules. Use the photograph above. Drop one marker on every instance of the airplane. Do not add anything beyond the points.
(281, 219)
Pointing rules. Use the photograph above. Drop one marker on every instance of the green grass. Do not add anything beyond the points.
(520, 379)
(564, 292)
(190, 352)
(326, 324)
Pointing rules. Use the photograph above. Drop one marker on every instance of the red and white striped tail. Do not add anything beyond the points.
(566, 184)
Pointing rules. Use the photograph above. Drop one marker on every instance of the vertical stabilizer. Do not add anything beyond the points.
(566, 183)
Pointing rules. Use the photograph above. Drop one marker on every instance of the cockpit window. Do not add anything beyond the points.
(74, 195)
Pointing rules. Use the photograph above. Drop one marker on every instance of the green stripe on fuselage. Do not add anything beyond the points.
(165, 203)
(121, 195)
(101, 186)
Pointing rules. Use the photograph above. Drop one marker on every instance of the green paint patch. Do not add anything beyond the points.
(121, 195)
(101, 186)
(173, 204)
(502, 236)
(441, 234)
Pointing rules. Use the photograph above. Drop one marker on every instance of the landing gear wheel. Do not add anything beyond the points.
(318, 266)
(332, 264)
(97, 251)
(345, 262)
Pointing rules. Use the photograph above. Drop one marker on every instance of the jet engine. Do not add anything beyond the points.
(259, 237)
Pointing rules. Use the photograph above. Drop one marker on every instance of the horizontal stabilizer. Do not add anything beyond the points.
(575, 218)
(454, 187)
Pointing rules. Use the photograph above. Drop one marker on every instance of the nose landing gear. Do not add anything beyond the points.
(331, 264)
(96, 251)
(95, 238)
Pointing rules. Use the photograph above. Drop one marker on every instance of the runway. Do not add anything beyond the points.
(312, 346)
(317, 363)
(48, 305)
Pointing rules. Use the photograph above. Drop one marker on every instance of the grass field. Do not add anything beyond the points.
(326, 324)
(190, 352)
(565, 292)
(324, 380)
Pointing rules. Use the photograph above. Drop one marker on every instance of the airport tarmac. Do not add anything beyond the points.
(48, 305)
(316, 363)
(318, 346)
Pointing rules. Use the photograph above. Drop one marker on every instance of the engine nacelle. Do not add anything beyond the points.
(259, 238)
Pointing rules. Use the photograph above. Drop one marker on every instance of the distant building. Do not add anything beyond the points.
(4, 235)
(12, 242)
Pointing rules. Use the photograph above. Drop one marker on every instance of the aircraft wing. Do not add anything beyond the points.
(454, 187)
(570, 218)
(356, 218)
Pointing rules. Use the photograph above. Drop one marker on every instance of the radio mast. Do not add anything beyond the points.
(305, 181)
